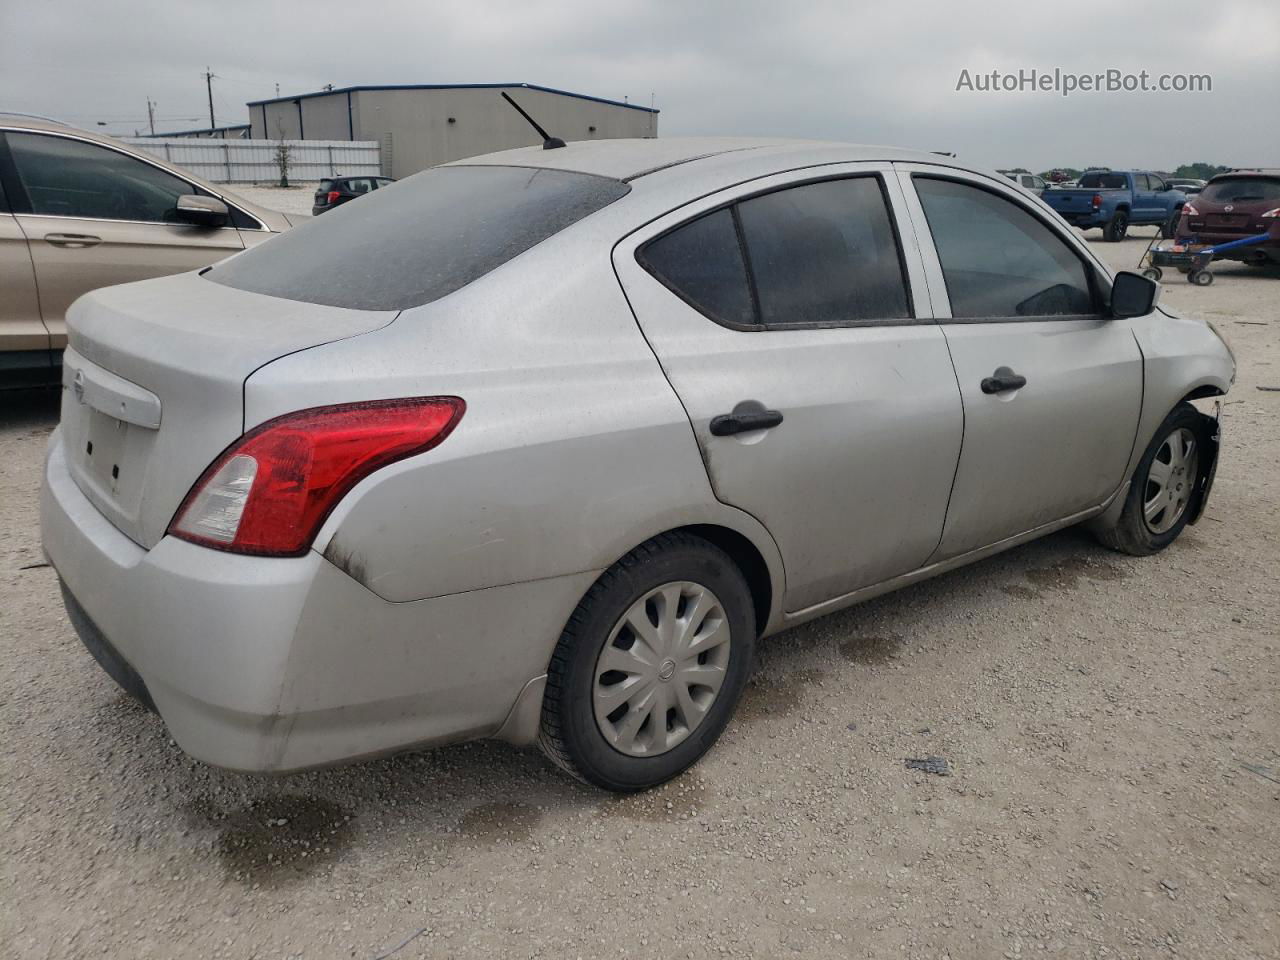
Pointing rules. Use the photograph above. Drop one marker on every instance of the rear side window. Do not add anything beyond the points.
(819, 254)
(702, 262)
(998, 260)
(434, 233)
(1103, 181)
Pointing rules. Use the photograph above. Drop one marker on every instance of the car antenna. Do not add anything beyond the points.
(548, 142)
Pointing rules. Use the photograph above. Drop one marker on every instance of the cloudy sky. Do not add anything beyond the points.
(882, 72)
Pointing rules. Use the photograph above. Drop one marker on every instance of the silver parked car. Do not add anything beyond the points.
(538, 445)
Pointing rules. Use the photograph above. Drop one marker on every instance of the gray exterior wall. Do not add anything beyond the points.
(413, 127)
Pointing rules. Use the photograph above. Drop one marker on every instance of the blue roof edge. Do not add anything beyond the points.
(450, 86)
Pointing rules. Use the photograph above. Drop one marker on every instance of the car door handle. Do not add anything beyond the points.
(727, 424)
(1003, 379)
(72, 241)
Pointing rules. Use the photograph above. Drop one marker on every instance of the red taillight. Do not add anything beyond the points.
(332, 196)
(270, 491)
(1271, 213)
(1097, 200)
(1189, 211)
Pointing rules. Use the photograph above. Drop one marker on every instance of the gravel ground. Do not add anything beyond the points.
(1112, 727)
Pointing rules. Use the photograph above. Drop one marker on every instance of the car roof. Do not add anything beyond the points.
(33, 122)
(631, 159)
(1270, 172)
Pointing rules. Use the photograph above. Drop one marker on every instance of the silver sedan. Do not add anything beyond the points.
(539, 445)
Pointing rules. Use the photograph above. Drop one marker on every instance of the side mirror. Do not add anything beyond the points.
(202, 211)
(1132, 295)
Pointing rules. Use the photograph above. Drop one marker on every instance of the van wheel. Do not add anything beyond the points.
(1116, 227)
(1160, 497)
(650, 666)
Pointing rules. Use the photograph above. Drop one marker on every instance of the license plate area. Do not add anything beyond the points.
(106, 444)
(108, 461)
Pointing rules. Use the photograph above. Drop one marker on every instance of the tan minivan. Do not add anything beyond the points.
(79, 211)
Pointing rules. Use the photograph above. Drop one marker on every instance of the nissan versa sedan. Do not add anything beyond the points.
(79, 211)
(539, 445)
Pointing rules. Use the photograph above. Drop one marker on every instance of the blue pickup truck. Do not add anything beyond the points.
(1118, 199)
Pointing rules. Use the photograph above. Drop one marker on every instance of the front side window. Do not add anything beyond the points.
(999, 260)
(812, 255)
(72, 178)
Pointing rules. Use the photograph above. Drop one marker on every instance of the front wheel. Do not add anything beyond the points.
(1159, 501)
(1153, 273)
(650, 666)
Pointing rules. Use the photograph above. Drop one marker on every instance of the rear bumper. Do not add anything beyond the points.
(274, 665)
(1084, 220)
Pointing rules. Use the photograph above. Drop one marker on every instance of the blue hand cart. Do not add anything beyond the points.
(1190, 257)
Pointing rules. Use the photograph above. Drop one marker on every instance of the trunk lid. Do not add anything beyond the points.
(154, 385)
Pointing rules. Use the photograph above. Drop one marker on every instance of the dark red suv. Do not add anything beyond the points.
(1235, 205)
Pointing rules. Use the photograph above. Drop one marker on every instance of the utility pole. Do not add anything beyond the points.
(208, 82)
(151, 115)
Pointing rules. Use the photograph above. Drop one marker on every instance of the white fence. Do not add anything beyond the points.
(254, 161)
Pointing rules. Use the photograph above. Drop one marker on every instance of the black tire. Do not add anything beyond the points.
(1153, 273)
(1170, 229)
(1131, 534)
(1201, 278)
(570, 735)
(1116, 227)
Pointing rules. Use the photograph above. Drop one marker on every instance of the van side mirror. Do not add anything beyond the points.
(1132, 295)
(202, 211)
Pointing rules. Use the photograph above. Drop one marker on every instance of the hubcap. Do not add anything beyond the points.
(661, 669)
(1170, 480)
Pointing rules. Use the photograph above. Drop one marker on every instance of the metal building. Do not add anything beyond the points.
(420, 125)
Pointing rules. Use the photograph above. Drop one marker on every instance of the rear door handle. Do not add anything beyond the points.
(1003, 379)
(742, 421)
(72, 241)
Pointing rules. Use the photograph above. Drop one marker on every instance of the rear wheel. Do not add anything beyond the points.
(1116, 227)
(1201, 278)
(1153, 273)
(1170, 228)
(651, 665)
(1160, 497)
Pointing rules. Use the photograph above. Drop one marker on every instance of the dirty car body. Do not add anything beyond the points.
(594, 368)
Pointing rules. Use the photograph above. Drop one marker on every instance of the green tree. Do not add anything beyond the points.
(1200, 171)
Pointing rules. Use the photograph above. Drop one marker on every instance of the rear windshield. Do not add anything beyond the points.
(1242, 190)
(1103, 181)
(419, 239)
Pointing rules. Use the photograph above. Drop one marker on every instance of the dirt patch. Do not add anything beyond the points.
(776, 696)
(1021, 592)
(1067, 574)
(870, 649)
(494, 823)
(277, 841)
